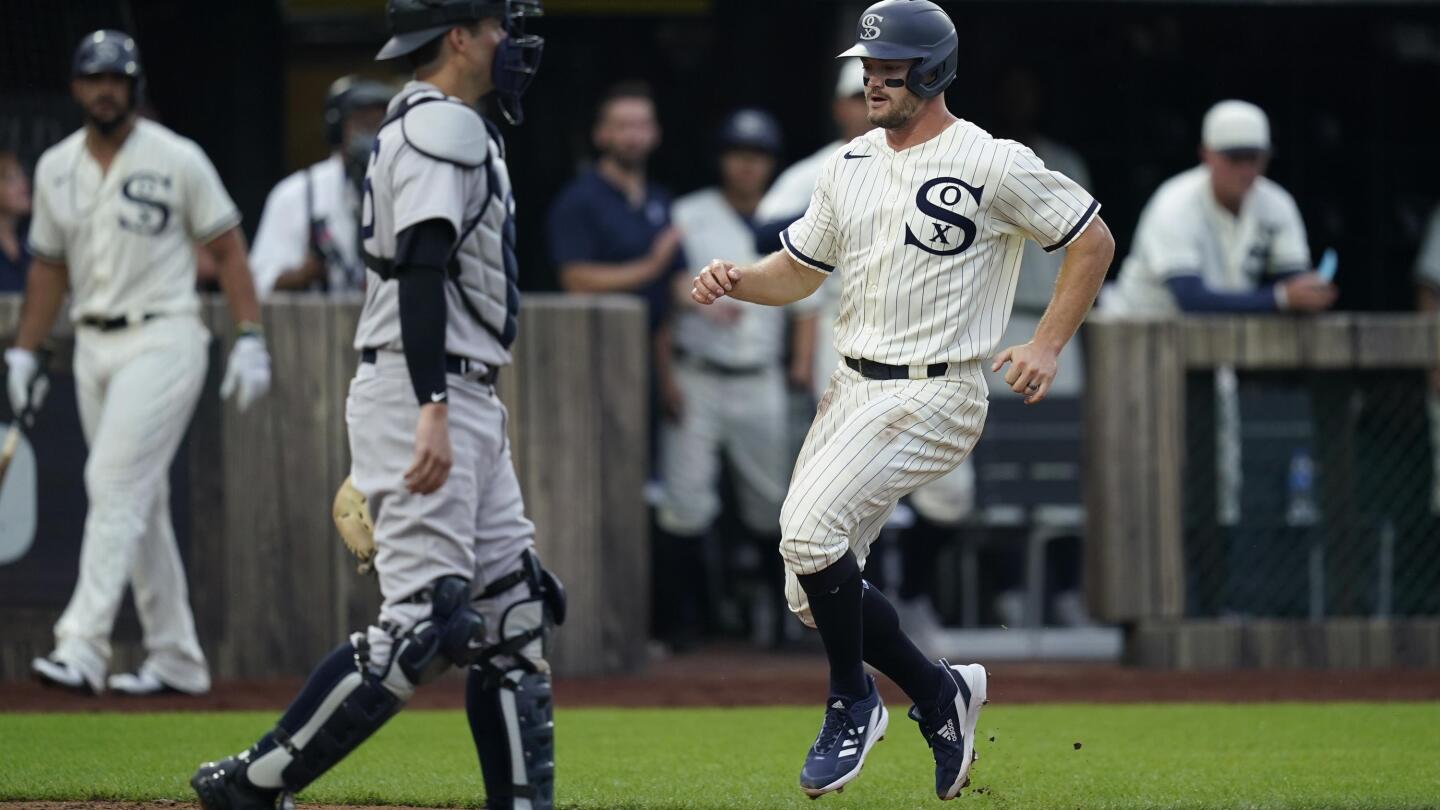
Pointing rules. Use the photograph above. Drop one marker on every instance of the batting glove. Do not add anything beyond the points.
(26, 385)
(247, 374)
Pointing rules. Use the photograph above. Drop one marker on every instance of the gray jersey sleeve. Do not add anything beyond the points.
(1044, 205)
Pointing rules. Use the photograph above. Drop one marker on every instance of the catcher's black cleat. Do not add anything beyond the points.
(222, 786)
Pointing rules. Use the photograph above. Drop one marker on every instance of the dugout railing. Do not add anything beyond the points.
(1262, 491)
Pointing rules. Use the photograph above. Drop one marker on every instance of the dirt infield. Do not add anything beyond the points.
(724, 676)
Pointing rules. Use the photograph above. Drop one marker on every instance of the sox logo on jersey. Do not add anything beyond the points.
(950, 195)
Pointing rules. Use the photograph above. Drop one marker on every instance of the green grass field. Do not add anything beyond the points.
(1192, 756)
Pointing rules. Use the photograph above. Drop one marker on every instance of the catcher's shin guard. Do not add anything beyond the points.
(507, 696)
(512, 721)
(342, 704)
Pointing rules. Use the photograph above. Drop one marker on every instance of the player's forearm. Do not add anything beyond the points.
(1082, 273)
(776, 280)
(233, 270)
(44, 293)
(598, 277)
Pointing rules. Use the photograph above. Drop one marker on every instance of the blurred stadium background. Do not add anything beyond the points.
(1338, 516)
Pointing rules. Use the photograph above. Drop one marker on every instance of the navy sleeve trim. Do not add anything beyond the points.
(1079, 226)
(814, 264)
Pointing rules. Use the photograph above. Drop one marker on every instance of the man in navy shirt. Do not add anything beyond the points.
(610, 230)
(14, 207)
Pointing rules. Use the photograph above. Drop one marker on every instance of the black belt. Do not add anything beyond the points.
(118, 322)
(454, 364)
(884, 371)
(718, 368)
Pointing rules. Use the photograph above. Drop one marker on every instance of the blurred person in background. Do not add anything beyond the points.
(14, 209)
(310, 230)
(122, 206)
(815, 358)
(722, 384)
(609, 229)
(1019, 116)
(1220, 237)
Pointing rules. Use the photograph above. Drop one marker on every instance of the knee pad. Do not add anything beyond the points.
(453, 635)
(525, 624)
(512, 721)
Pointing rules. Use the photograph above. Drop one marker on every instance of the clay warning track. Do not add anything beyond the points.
(735, 676)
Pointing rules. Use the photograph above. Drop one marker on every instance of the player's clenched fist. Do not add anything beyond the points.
(714, 282)
(1032, 370)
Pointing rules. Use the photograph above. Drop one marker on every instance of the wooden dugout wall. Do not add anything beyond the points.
(1134, 483)
(270, 583)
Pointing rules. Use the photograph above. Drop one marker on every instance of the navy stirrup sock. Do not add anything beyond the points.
(835, 604)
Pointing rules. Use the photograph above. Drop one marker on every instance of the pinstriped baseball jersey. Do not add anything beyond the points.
(930, 240)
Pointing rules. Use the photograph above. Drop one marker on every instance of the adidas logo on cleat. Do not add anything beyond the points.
(948, 731)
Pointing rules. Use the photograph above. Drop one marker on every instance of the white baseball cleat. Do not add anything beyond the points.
(60, 674)
(144, 684)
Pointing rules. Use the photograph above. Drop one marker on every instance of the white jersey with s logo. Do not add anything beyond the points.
(127, 236)
(930, 240)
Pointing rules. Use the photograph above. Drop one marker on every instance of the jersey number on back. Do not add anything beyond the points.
(942, 240)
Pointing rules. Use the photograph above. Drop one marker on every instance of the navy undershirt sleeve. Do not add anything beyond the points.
(421, 252)
(1193, 296)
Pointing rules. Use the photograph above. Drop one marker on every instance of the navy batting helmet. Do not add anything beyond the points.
(416, 23)
(911, 29)
(751, 129)
(107, 52)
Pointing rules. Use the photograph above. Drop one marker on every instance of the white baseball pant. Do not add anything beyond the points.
(872, 443)
(137, 390)
(742, 415)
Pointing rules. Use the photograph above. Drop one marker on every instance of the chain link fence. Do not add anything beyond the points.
(1311, 494)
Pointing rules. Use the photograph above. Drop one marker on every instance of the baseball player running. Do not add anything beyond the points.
(459, 577)
(926, 215)
(120, 207)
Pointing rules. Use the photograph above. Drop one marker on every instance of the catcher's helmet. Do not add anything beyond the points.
(349, 93)
(415, 23)
(750, 129)
(107, 52)
(911, 29)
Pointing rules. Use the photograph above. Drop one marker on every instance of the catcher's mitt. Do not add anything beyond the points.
(352, 518)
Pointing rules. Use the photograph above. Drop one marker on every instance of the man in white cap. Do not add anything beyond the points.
(1221, 237)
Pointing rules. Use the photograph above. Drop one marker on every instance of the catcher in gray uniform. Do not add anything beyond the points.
(453, 549)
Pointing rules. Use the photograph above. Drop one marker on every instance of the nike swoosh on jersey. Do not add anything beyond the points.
(849, 156)
(440, 397)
